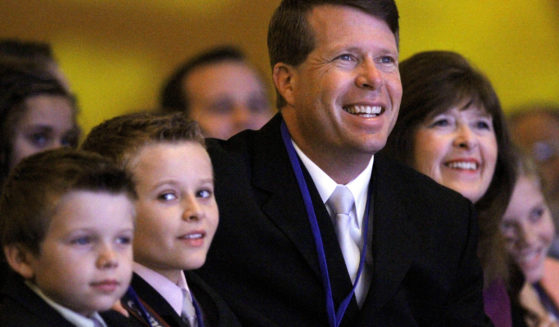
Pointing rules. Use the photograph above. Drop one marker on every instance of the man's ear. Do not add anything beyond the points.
(284, 80)
(18, 258)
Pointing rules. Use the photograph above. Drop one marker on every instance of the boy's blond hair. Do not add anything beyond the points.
(120, 138)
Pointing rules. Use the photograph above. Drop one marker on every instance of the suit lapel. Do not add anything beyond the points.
(394, 242)
(282, 202)
(284, 206)
(38, 309)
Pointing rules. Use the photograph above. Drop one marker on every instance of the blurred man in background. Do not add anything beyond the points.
(221, 90)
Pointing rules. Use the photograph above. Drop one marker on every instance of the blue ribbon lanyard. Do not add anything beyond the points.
(148, 318)
(143, 311)
(198, 312)
(334, 316)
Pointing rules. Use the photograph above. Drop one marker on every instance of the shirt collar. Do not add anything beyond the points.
(72, 316)
(325, 185)
(169, 290)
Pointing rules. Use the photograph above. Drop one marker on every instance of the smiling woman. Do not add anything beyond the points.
(529, 231)
(451, 128)
(458, 149)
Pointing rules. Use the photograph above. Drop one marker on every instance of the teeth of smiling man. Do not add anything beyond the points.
(371, 111)
(463, 165)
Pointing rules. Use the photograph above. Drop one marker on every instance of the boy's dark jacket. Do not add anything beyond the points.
(216, 313)
(20, 306)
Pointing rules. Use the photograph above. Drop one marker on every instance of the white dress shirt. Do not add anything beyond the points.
(359, 187)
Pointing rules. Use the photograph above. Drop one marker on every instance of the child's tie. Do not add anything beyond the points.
(188, 315)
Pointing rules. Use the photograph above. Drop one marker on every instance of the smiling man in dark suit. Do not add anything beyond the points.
(403, 251)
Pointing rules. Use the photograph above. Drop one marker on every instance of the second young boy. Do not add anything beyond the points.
(177, 217)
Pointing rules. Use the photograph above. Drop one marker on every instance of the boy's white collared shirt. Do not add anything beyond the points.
(75, 318)
(171, 292)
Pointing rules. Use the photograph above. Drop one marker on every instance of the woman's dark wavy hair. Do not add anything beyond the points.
(433, 82)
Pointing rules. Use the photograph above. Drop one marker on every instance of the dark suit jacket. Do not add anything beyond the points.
(21, 307)
(215, 311)
(264, 263)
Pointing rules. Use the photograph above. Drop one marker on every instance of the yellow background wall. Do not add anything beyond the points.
(117, 53)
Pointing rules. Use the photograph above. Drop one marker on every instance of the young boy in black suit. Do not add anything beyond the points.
(67, 223)
(177, 216)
